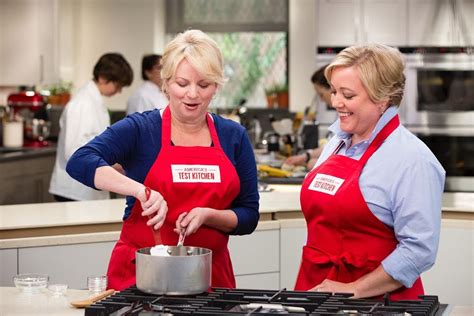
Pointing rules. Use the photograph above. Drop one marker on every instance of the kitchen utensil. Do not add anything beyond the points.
(13, 134)
(182, 235)
(186, 271)
(156, 233)
(91, 300)
(31, 282)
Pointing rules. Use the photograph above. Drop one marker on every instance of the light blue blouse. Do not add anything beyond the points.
(402, 183)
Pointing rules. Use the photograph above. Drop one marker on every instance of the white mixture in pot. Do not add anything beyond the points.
(159, 250)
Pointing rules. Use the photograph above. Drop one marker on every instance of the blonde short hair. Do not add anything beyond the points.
(380, 70)
(199, 50)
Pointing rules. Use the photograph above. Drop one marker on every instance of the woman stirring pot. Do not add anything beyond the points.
(199, 166)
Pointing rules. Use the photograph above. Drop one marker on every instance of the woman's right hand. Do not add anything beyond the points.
(154, 206)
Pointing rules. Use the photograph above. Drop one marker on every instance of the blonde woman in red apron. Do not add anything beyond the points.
(373, 202)
(198, 181)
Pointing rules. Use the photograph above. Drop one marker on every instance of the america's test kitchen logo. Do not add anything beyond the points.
(196, 173)
(326, 184)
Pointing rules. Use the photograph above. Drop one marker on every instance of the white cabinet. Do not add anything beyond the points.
(69, 264)
(27, 42)
(452, 276)
(347, 22)
(292, 239)
(261, 281)
(441, 23)
(256, 258)
(8, 266)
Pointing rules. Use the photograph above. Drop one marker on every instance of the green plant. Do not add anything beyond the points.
(249, 61)
(61, 87)
(271, 90)
(282, 87)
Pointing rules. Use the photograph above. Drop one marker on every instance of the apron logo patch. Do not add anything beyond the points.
(325, 183)
(196, 173)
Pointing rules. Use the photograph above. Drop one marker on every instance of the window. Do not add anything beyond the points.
(253, 37)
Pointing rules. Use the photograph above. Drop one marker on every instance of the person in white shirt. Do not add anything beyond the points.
(148, 95)
(83, 118)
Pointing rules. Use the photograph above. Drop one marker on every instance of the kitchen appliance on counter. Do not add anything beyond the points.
(223, 301)
(31, 108)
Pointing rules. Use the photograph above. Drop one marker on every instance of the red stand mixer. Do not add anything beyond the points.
(31, 107)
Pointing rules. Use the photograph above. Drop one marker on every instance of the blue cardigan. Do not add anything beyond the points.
(135, 142)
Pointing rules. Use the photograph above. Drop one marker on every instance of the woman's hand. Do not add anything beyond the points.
(335, 287)
(297, 160)
(377, 282)
(154, 206)
(192, 220)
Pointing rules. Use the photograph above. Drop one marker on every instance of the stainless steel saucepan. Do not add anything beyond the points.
(183, 271)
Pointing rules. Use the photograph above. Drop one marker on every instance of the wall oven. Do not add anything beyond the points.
(439, 88)
(438, 106)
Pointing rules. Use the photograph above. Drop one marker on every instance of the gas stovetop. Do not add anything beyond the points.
(222, 301)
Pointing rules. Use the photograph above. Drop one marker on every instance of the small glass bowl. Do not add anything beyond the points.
(58, 289)
(31, 282)
(97, 283)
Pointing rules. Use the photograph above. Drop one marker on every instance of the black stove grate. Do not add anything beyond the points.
(222, 301)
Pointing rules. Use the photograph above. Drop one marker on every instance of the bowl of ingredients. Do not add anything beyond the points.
(31, 282)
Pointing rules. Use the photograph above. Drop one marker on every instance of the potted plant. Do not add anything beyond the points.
(270, 93)
(282, 96)
(60, 93)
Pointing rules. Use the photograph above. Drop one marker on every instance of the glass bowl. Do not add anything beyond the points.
(31, 282)
(58, 289)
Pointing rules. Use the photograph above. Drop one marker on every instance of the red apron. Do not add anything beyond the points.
(187, 177)
(345, 239)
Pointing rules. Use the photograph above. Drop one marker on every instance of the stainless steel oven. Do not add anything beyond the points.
(455, 151)
(438, 106)
(439, 89)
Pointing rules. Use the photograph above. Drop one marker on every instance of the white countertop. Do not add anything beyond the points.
(44, 303)
(282, 198)
(23, 216)
(14, 302)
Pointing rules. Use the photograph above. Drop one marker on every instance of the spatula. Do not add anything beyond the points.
(156, 233)
(91, 300)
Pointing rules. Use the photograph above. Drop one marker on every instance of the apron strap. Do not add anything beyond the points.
(380, 138)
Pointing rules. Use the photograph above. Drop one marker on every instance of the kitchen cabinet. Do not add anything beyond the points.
(262, 281)
(69, 264)
(441, 23)
(347, 22)
(28, 42)
(292, 238)
(452, 276)
(256, 258)
(25, 177)
(8, 266)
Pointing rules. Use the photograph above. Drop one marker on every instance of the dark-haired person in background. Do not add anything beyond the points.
(148, 95)
(83, 118)
(323, 91)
